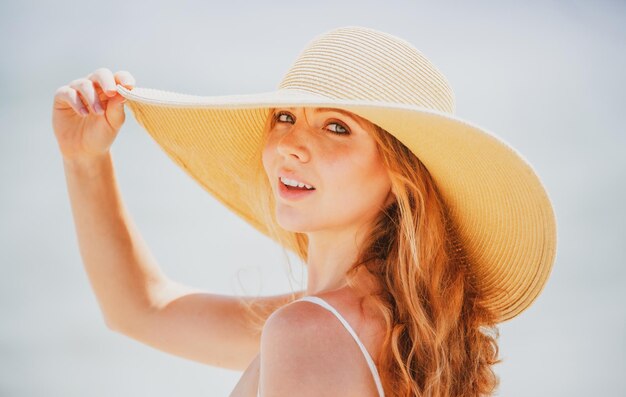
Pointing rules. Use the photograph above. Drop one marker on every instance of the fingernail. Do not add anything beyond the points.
(97, 108)
(83, 111)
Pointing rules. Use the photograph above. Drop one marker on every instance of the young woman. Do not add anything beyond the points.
(419, 231)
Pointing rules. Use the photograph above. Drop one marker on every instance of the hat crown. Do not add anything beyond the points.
(360, 63)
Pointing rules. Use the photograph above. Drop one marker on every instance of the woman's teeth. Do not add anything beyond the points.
(290, 183)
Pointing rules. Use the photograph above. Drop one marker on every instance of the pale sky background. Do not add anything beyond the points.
(548, 77)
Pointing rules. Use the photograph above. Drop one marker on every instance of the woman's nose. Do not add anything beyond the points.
(294, 143)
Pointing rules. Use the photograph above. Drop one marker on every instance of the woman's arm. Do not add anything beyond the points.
(121, 270)
(135, 297)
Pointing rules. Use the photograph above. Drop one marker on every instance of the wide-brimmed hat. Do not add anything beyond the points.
(497, 202)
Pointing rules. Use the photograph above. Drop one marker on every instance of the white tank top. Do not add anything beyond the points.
(368, 358)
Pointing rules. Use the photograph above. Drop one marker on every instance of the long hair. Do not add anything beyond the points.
(439, 339)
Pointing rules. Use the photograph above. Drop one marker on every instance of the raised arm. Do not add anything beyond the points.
(135, 297)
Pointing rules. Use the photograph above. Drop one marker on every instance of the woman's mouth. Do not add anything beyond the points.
(289, 192)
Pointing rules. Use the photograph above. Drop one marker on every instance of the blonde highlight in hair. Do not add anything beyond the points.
(439, 339)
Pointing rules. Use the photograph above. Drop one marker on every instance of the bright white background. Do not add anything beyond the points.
(546, 77)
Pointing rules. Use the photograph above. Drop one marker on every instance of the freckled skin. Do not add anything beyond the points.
(350, 180)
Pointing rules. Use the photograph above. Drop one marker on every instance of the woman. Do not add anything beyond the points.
(420, 232)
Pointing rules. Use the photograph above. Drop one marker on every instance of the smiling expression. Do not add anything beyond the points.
(333, 151)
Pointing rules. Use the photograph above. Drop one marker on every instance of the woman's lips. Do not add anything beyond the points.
(293, 194)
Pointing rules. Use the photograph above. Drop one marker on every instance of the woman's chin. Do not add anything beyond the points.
(297, 223)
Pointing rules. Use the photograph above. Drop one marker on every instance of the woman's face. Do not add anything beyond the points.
(333, 151)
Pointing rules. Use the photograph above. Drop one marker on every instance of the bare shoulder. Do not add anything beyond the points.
(306, 352)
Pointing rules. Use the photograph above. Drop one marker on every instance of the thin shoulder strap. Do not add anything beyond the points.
(368, 358)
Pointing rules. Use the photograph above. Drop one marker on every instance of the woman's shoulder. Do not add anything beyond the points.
(302, 350)
(319, 313)
(316, 322)
(308, 318)
(303, 340)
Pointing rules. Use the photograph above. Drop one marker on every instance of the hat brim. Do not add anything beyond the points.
(499, 204)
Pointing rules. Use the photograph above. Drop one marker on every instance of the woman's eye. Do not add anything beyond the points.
(279, 116)
(340, 129)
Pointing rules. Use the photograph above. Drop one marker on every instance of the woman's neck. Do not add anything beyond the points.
(330, 256)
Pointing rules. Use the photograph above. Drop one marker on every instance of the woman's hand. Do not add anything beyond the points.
(88, 114)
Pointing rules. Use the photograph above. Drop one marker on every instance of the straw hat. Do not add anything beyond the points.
(502, 211)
